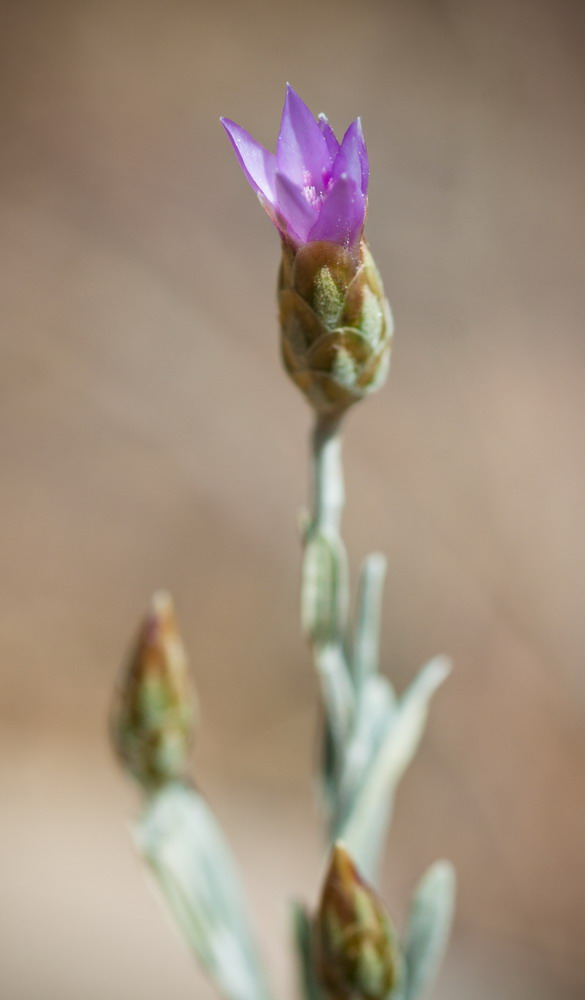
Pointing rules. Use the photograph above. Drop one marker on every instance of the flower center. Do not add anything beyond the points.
(313, 194)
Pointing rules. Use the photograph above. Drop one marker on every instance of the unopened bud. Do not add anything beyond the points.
(154, 711)
(356, 954)
(336, 325)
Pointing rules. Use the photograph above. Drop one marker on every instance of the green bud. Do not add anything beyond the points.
(154, 711)
(356, 955)
(324, 588)
(336, 325)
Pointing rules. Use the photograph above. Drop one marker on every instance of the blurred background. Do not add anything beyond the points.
(149, 438)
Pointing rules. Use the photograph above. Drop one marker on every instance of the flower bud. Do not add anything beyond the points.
(335, 321)
(336, 325)
(356, 955)
(154, 711)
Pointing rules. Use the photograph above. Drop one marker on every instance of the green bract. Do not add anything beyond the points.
(336, 324)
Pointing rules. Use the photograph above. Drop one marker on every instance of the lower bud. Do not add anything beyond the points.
(355, 950)
(154, 711)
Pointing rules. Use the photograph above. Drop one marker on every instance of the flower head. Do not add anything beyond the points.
(314, 188)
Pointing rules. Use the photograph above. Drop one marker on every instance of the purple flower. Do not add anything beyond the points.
(314, 188)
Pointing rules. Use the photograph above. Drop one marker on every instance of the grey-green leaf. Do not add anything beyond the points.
(309, 985)
(183, 844)
(364, 827)
(324, 587)
(366, 644)
(428, 928)
(375, 708)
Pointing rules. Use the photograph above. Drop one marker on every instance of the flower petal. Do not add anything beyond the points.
(301, 148)
(363, 155)
(257, 163)
(352, 158)
(329, 135)
(294, 215)
(341, 219)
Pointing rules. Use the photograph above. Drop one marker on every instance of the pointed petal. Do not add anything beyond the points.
(342, 214)
(293, 209)
(301, 148)
(363, 155)
(256, 162)
(352, 158)
(329, 136)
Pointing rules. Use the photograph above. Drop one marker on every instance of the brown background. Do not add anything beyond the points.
(148, 437)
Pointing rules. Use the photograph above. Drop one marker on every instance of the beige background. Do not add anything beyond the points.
(148, 437)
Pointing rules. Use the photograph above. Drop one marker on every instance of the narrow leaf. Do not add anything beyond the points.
(375, 708)
(338, 696)
(363, 829)
(185, 848)
(301, 926)
(324, 588)
(428, 928)
(366, 645)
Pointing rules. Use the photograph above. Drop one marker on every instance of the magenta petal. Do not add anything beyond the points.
(352, 158)
(363, 155)
(329, 136)
(301, 148)
(341, 219)
(295, 215)
(314, 188)
(257, 163)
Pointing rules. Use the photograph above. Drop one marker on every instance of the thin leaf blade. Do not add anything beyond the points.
(363, 829)
(184, 846)
(428, 928)
(301, 926)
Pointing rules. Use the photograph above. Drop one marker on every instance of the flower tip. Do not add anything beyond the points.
(227, 123)
(291, 93)
(161, 602)
(161, 619)
(341, 866)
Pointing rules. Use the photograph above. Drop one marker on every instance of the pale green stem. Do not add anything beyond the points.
(328, 490)
(329, 656)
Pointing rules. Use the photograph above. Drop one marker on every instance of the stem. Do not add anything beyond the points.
(328, 648)
(328, 491)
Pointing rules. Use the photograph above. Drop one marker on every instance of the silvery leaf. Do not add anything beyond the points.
(324, 587)
(375, 708)
(185, 848)
(338, 695)
(428, 927)
(309, 986)
(362, 830)
(366, 641)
